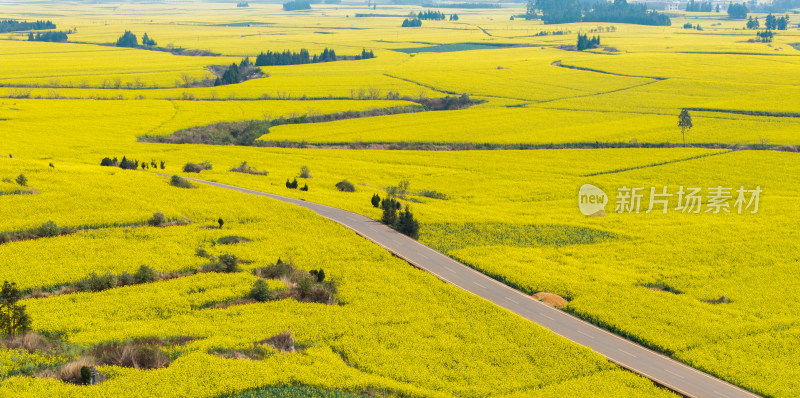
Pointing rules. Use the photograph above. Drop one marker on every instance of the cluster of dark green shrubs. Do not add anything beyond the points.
(401, 220)
(345, 186)
(180, 182)
(197, 167)
(131, 164)
(303, 285)
(46, 230)
(294, 184)
(129, 39)
(55, 37)
(234, 73)
(245, 168)
(225, 263)
(98, 283)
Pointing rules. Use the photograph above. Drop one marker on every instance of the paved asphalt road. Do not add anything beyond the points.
(659, 368)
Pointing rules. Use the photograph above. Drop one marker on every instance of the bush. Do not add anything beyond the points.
(245, 168)
(48, 229)
(225, 263)
(230, 240)
(345, 186)
(304, 188)
(192, 168)
(180, 182)
(125, 279)
(291, 185)
(304, 172)
(206, 165)
(157, 220)
(376, 201)
(261, 292)
(22, 180)
(97, 283)
(318, 274)
(433, 194)
(145, 274)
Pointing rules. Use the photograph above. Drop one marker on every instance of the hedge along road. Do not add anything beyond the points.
(659, 368)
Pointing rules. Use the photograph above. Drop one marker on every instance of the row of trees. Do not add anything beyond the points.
(431, 15)
(129, 39)
(566, 11)
(770, 23)
(131, 164)
(55, 36)
(737, 11)
(234, 74)
(701, 6)
(11, 25)
(304, 57)
(295, 5)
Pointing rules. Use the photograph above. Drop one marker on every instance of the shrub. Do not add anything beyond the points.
(206, 165)
(245, 168)
(108, 162)
(22, 180)
(283, 341)
(433, 194)
(292, 185)
(345, 186)
(278, 270)
(304, 172)
(48, 229)
(304, 188)
(221, 222)
(133, 354)
(180, 182)
(261, 292)
(97, 283)
(407, 225)
(125, 279)
(145, 274)
(230, 240)
(157, 220)
(225, 263)
(376, 201)
(318, 274)
(192, 168)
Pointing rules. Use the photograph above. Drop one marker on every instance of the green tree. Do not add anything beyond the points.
(13, 319)
(128, 39)
(685, 123)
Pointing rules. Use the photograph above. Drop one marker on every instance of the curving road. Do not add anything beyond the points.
(663, 370)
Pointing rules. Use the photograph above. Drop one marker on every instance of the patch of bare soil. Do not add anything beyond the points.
(551, 299)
